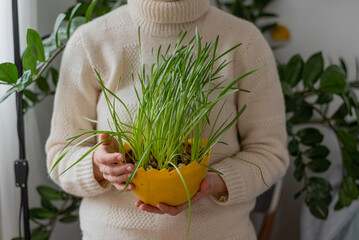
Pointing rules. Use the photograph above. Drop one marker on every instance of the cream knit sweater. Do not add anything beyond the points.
(110, 44)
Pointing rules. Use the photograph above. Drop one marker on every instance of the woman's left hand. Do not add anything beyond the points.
(213, 184)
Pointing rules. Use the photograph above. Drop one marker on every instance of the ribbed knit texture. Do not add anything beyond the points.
(110, 45)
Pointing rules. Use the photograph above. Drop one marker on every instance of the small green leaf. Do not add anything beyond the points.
(58, 22)
(317, 152)
(8, 73)
(42, 84)
(69, 219)
(29, 60)
(54, 75)
(286, 88)
(90, 10)
(349, 188)
(324, 98)
(302, 114)
(49, 193)
(343, 65)
(293, 70)
(299, 168)
(70, 19)
(319, 165)
(332, 80)
(293, 147)
(76, 23)
(48, 205)
(41, 213)
(318, 208)
(30, 95)
(348, 140)
(310, 136)
(25, 80)
(319, 184)
(312, 69)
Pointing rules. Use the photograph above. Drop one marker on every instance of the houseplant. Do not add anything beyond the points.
(174, 103)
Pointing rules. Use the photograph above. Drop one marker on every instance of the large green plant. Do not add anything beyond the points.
(39, 81)
(312, 92)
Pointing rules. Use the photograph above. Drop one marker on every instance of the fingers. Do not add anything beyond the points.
(148, 208)
(111, 144)
(121, 187)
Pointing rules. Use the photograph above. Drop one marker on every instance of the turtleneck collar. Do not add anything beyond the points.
(166, 18)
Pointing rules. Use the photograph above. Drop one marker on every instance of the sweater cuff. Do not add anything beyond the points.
(85, 176)
(234, 182)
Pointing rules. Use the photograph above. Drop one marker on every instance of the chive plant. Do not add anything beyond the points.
(174, 107)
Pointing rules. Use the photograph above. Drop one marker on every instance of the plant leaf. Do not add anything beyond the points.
(90, 10)
(312, 69)
(69, 219)
(49, 193)
(293, 70)
(310, 136)
(319, 165)
(317, 152)
(332, 80)
(68, 32)
(58, 22)
(8, 73)
(41, 213)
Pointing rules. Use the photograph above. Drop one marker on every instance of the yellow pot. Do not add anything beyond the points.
(154, 186)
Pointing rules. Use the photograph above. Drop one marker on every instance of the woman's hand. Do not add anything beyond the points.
(108, 165)
(212, 185)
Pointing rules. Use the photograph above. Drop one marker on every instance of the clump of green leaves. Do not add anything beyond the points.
(55, 206)
(174, 107)
(40, 53)
(310, 90)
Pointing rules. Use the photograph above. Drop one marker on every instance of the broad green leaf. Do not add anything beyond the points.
(49, 193)
(310, 136)
(350, 188)
(312, 69)
(324, 98)
(58, 22)
(319, 165)
(90, 10)
(348, 140)
(68, 32)
(287, 90)
(293, 70)
(34, 38)
(318, 208)
(8, 73)
(29, 60)
(25, 80)
(54, 75)
(40, 233)
(319, 184)
(344, 199)
(293, 147)
(30, 95)
(48, 205)
(333, 80)
(42, 84)
(41, 213)
(317, 152)
(69, 219)
(302, 114)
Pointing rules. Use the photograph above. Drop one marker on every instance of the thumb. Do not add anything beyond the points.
(108, 142)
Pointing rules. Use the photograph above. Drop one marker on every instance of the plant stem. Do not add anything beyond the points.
(47, 64)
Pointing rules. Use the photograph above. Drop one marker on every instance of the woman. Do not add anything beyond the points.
(110, 44)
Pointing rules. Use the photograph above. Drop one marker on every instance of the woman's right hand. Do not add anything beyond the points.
(108, 165)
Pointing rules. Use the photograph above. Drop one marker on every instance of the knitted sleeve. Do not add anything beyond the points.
(261, 127)
(76, 97)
